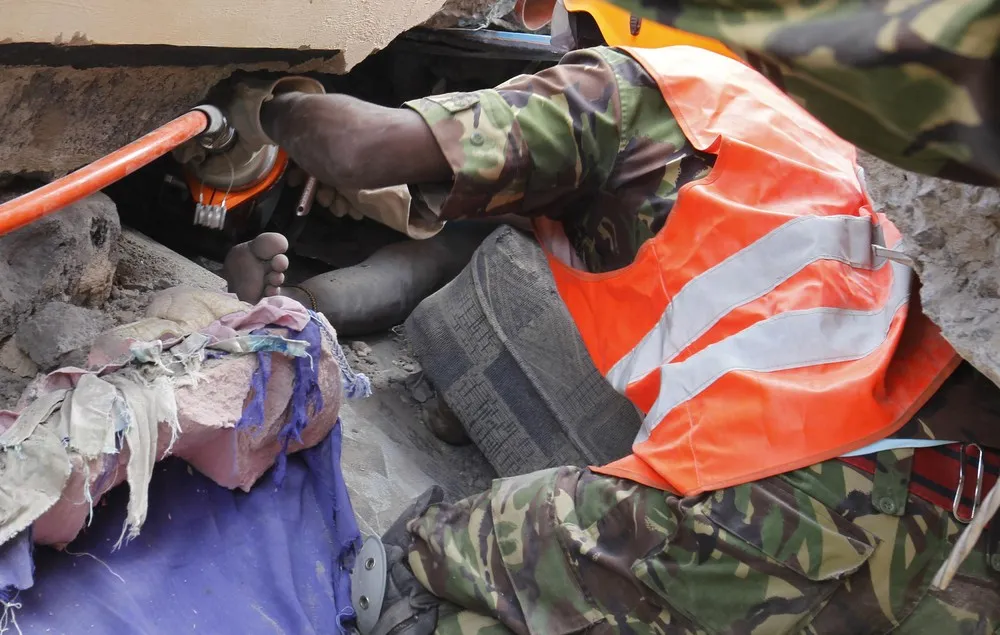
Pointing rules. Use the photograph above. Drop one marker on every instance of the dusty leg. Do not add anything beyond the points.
(383, 290)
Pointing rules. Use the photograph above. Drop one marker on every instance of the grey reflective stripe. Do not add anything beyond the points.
(793, 339)
(745, 276)
(895, 444)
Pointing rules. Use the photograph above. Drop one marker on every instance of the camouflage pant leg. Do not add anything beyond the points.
(566, 551)
(467, 622)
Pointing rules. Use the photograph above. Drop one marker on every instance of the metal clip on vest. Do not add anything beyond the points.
(893, 255)
(957, 502)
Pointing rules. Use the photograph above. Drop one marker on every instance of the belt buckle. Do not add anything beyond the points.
(957, 501)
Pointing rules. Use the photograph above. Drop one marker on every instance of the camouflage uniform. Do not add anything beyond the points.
(915, 82)
(589, 142)
(568, 551)
(592, 143)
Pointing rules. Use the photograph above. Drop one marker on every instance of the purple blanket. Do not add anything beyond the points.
(208, 560)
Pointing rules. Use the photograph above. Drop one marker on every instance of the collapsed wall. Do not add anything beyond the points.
(356, 29)
(79, 80)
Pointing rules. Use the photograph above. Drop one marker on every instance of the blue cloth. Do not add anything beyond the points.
(209, 560)
(16, 568)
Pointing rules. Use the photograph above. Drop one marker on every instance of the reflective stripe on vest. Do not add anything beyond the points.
(746, 275)
(758, 331)
(794, 339)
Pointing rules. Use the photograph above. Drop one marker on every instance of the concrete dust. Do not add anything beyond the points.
(390, 455)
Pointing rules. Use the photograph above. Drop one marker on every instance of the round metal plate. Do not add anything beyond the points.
(368, 583)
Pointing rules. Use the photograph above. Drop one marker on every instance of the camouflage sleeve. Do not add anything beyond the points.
(914, 83)
(537, 141)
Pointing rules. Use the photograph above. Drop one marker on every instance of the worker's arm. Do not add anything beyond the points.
(535, 140)
(352, 144)
(915, 83)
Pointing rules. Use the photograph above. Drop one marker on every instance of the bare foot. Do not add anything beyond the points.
(256, 269)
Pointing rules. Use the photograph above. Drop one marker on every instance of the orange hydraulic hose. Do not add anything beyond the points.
(96, 176)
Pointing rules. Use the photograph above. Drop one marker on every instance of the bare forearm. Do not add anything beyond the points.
(346, 142)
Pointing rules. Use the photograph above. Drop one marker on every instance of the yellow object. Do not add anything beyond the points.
(620, 28)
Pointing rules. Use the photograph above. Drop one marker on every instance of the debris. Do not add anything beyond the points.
(407, 365)
(14, 360)
(70, 256)
(11, 388)
(146, 265)
(952, 230)
(60, 334)
(361, 349)
(420, 389)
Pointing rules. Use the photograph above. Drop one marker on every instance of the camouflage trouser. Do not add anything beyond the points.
(569, 551)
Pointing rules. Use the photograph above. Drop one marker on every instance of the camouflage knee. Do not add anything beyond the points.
(387, 597)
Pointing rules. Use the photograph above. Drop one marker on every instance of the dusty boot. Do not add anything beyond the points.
(445, 424)
(407, 608)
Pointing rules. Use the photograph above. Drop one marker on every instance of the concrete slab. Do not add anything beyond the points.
(146, 265)
(390, 455)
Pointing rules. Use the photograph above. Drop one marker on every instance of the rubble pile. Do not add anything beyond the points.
(71, 276)
(953, 232)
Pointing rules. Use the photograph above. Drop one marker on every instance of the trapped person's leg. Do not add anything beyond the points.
(382, 291)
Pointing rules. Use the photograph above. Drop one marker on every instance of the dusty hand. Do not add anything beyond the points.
(390, 206)
(248, 97)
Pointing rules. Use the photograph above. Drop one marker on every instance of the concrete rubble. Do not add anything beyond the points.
(60, 335)
(69, 256)
(146, 265)
(77, 273)
(953, 232)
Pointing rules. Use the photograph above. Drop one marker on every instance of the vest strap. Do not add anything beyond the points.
(891, 483)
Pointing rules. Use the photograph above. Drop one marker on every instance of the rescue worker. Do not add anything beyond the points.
(738, 510)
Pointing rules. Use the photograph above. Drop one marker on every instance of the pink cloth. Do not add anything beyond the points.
(209, 441)
(208, 411)
(276, 311)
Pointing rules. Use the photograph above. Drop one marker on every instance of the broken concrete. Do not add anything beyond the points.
(953, 232)
(390, 455)
(146, 265)
(355, 28)
(11, 388)
(69, 256)
(470, 13)
(58, 119)
(14, 360)
(60, 335)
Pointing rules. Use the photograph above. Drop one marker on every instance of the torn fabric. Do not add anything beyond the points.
(199, 565)
(90, 430)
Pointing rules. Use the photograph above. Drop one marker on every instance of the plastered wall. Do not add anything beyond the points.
(356, 27)
(54, 119)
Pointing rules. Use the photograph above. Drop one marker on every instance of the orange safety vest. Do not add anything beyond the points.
(758, 331)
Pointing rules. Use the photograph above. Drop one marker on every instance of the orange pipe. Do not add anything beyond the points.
(534, 14)
(94, 177)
